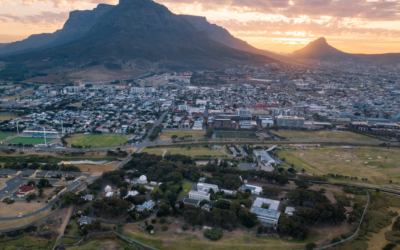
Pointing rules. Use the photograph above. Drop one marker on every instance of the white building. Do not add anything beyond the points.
(131, 193)
(109, 194)
(197, 195)
(141, 180)
(264, 160)
(254, 189)
(108, 189)
(267, 211)
(206, 187)
(135, 90)
(290, 121)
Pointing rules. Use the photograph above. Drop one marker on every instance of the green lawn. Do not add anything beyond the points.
(97, 141)
(29, 140)
(246, 135)
(378, 165)
(25, 242)
(182, 133)
(5, 135)
(193, 151)
(185, 186)
(98, 244)
(345, 135)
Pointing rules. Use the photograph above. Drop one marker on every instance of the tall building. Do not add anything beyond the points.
(290, 121)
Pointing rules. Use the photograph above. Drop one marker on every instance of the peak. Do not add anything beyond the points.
(132, 2)
(320, 40)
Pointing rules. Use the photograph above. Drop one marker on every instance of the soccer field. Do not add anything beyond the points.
(244, 135)
(29, 140)
(97, 141)
(5, 135)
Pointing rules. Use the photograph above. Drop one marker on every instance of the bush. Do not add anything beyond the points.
(185, 227)
(164, 228)
(213, 234)
(10, 201)
(396, 225)
(149, 228)
(311, 246)
(389, 246)
(343, 200)
(162, 220)
(153, 221)
(336, 239)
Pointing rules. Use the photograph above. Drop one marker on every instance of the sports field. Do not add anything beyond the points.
(5, 135)
(7, 116)
(244, 135)
(193, 151)
(192, 134)
(98, 141)
(378, 164)
(30, 140)
(345, 135)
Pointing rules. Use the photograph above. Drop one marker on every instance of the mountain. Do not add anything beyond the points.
(388, 58)
(318, 49)
(144, 32)
(3, 44)
(77, 25)
(221, 35)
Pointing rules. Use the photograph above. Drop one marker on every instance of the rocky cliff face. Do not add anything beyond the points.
(221, 35)
(145, 30)
(77, 25)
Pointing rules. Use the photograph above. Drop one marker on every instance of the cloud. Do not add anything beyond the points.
(334, 27)
(43, 19)
(361, 9)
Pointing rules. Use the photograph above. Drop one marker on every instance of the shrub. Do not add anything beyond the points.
(149, 228)
(213, 234)
(389, 246)
(185, 227)
(396, 225)
(162, 220)
(164, 228)
(336, 239)
(311, 246)
(153, 221)
(10, 201)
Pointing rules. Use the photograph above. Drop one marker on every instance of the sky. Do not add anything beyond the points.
(353, 26)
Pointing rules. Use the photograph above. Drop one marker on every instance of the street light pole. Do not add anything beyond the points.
(17, 128)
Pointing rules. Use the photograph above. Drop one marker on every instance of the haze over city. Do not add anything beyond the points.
(357, 26)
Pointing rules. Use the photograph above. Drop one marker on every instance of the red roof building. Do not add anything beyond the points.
(24, 190)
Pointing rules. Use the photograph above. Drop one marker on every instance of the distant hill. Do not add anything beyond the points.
(3, 44)
(77, 25)
(141, 31)
(318, 49)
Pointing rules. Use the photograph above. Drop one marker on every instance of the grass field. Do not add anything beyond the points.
(193, 151)
(7, 116)
(98, 244)
(29, 140)
(186, 187)
(182, 133)
(378, 165)
(26, 242)
(5, 135)
(17, 208)
(98, 141)
(345, 135)
(243, 135)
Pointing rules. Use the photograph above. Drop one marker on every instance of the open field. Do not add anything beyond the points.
(5, 135)
(166, 136)
(51, 159)
(245, 135)
(17, 208)
(26, 242)
(186, 187)
(99, 168)
(378, 164)
(30, 140)
(7, 116)
(23, 221)
(14, 97)
(106, 244)
(193, 151)
(98, 141)
(345, 135)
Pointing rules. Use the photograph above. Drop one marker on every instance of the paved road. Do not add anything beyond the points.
(70, 187)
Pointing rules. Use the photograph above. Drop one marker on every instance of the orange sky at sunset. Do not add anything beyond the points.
(354, 26)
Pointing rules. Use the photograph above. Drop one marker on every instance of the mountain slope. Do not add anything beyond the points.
(389, 58)
(3, 44)
(318, 49)
(145, 30)
(221, 35)
(77, 25)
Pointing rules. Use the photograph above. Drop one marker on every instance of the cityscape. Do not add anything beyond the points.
(137, 126)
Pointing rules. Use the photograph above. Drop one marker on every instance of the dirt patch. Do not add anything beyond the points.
(164, 151)
(18, 208)
(378, 241)
(324, 233)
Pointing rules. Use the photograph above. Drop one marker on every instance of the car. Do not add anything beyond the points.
(20, 216)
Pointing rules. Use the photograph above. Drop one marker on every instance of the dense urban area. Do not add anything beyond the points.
(244, 157)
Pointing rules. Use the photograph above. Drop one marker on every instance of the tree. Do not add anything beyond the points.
(213, 234)
(271, 192)
(301, 184)
(31, 183)
(164, 228)
(173, 137)
(149, 228)
(260, 230)
(311, 246)
(123, 192)
(185, 227)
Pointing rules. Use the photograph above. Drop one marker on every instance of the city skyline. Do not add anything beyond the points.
(283, 26)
